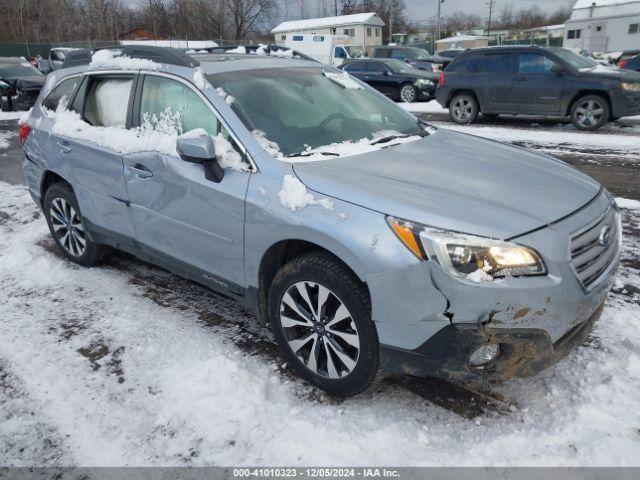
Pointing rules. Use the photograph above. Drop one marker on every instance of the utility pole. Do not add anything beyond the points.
(335, 3)
(490, 3)
(440, 2)
(391, 21)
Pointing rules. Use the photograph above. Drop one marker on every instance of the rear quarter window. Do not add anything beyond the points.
(63, 92)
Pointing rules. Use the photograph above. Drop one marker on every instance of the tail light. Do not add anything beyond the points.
(441, 79)
(24, 129)
(622, 63)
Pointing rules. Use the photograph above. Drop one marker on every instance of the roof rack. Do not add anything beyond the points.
(251, 49)
(171, 56)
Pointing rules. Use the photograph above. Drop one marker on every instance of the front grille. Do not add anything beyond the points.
(590, 256)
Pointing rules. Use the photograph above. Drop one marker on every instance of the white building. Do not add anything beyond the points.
(364, 29)
(604, 25)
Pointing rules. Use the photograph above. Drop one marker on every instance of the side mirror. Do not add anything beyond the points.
(558, 70)
(197, 147)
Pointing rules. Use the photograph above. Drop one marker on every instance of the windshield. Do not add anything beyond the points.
(355, 52)
(575, 60)
(398, 66)
(301, 108)
(17, 70)
(418, 54)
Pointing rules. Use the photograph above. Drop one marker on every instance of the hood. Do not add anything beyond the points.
(456, 182)
(601, 71)
(423, 73)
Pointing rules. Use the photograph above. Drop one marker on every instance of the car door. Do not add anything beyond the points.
(491, 77)
(183, 219)
(540, 84)
(95, 170)
(380, 77)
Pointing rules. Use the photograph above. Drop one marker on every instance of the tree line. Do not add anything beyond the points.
(60, 21)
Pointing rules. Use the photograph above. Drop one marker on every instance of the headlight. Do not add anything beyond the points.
(470, 256)
(423, 82)
(631, 86)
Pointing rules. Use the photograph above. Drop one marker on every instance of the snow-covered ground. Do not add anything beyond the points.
(125, 364)
(10, 115)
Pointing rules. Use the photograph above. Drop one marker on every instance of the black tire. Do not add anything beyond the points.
(320, 269)
(5, 106)
(407, 93)
(590, 112)
(91, 253)
(464, 109)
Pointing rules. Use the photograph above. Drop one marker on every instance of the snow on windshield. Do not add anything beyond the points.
(115, 58)
(239, 49)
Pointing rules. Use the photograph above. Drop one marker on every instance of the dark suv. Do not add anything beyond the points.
(537, 81)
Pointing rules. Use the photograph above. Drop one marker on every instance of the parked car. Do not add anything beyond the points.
(625, 56)
(20, 84)
(394, 78)
(537, 81)
(632, 63)
(416, 57)
(55, 60)
(401, 246)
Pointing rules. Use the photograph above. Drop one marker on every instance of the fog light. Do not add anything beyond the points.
(484, 355)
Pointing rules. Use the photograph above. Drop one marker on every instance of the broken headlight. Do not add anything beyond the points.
(468, 255)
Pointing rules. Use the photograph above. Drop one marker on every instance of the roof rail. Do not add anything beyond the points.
(252, 49)
(171, 56)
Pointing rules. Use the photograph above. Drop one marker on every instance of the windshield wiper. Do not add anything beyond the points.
(313, 152)
(388, 138)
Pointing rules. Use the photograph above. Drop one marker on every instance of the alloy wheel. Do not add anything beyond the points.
(67, 227)
(462, 109)
(589, 113)
(319, 330)
(407, 93)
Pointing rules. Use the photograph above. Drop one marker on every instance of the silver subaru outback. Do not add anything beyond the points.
(369, 240)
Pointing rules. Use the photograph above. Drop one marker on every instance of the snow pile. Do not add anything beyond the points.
(295, 196)
(228, 98)
(200, 80)
(628, 203)
(282, 53)
(10, 115)
(4, 139)
(272, 148)
(424, 107)
(479, 276)
(227, 156)
(239, 49)
(115, 59)
(108, 107)
(344, 79)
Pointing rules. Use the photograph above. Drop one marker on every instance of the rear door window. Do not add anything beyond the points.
(107, 101)
(535, 63)
(490, 63)
(356, 67)
(61, 94)
(376, 68)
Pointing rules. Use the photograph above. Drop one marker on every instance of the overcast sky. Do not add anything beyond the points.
(425, 9)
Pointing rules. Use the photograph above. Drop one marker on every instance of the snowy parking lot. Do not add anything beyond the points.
(126, 364)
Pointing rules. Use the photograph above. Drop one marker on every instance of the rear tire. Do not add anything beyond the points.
(590, 112)
(463, 109)
(407, 93)
(68, 228)
(320, 314)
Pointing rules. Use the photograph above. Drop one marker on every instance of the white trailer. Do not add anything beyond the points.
(328, 49)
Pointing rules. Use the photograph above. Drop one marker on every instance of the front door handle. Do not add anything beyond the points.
(140, 171)
(65, 147)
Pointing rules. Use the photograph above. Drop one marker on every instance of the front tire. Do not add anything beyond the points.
(463, 109)
(407, 93)
(320, 314)
(590, 112)
(68, 228)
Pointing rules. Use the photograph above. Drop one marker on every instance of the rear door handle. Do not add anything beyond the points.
(65, 147)
(140, 171)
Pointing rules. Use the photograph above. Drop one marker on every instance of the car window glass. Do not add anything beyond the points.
(107, 101)
(62, 92)
(535, 63)
(376, 67)
(399, 54)
(339, 53)
(356, 67)
(165, 100)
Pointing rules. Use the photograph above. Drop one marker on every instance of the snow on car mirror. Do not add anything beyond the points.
(342, 79)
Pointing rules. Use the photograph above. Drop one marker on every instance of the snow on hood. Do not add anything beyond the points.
(456, 182)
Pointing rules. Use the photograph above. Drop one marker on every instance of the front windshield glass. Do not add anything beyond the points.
(301, 108)
(398, 66)
(355, 52)
(575, 60)
(419, 54)
(18, 70)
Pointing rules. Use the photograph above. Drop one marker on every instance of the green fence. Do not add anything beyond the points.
(24, 50)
